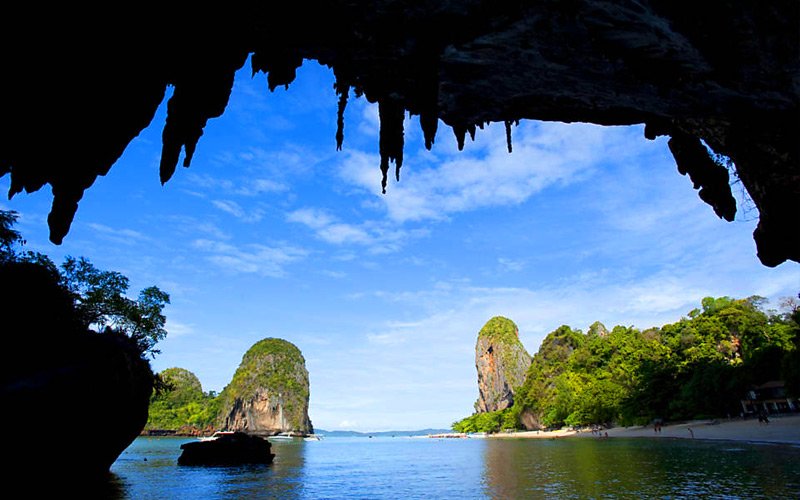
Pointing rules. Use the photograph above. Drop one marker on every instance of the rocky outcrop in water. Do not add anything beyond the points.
(269, 391)
(502, 362)
(722, 74)
(237, 448)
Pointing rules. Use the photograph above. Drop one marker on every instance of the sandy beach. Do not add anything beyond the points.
(781, 429)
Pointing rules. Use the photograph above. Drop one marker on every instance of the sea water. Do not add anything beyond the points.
(409, 468)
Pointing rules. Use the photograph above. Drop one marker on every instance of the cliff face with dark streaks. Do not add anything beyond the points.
(718, 74)
(269, 392)
(502, 362)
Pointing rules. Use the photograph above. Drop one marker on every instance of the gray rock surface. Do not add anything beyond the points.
(269, 392)
(501, 362)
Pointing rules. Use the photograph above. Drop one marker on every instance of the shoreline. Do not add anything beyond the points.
(782, 429)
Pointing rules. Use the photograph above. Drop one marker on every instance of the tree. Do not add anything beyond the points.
(101, 301)
(8, 236)
(99, 296)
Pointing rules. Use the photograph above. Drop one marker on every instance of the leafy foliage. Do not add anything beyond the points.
(697, 367)
(99, 297)
(484, 422)
(181, 405)
(278, 366)
(500, 329)
(9, 237)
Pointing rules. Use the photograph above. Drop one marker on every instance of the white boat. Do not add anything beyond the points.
(285, 436)
(312, 437)
(215, 436)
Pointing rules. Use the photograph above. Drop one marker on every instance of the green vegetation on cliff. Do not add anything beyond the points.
(698, 367)
(500, 329)
(275, 365)
(181, 405)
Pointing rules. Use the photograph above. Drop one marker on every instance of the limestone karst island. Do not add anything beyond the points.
(727, 359)
(268, 395)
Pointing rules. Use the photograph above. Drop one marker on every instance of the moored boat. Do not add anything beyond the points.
(216, 436)
(284, 436)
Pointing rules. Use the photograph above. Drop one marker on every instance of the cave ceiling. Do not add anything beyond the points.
(719, 76)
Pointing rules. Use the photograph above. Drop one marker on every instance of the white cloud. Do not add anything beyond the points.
(178, 329)
(311, 217)
(237, 211)
(254, 258)
(510, 265)
(261, 186)
(123, 236)
(330, 229)
(545, 154)
(385, 339)
(334, 274)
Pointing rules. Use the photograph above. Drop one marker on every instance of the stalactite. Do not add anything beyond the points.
(343, 90)
(281, 68)
(429, 123)
(201, 93)
(712, 179)
(427, 94)
(461, 133)
(391, 114)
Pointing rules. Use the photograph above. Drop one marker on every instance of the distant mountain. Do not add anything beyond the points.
(421, 432)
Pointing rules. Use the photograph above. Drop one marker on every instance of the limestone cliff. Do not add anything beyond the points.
(501, 361)
(269, 391)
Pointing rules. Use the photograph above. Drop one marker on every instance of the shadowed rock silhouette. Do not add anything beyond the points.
(73, 399)
(82, 85)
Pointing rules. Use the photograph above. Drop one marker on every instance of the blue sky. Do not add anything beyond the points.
(273, 233)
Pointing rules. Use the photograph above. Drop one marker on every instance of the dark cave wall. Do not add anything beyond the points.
(721, 72)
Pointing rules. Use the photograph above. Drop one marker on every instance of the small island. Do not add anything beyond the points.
(267, 396)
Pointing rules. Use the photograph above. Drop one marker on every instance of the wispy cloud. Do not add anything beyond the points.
(332, 230)
(510, 265)
(254, 258)
(178, 329)
(385, 339)
(122, 236)
(233, 208)
(545, 154)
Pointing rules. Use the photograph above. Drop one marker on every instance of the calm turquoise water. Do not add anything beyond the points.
(402, 468)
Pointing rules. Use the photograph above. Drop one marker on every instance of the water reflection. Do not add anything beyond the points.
(466, 469)
(158, 461)
(630, 468)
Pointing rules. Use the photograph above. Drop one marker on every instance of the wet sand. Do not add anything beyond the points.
(781, 429)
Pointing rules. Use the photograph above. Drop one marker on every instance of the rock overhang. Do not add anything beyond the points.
(720, 75)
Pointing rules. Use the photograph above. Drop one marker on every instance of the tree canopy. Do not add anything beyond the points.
(99, 297)
(698, 367)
